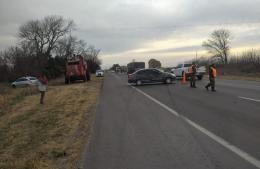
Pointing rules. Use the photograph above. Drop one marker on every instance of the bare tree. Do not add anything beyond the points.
(153, 63)
(44, 34)
(64, 47)
(219, 44)
(8, 56)
(92, 53)
(39, 39)
(69, 46)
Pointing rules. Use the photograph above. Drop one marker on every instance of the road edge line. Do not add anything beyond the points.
(247, 157)
(247, 98)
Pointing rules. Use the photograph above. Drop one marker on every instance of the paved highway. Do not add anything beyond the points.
(176, 127)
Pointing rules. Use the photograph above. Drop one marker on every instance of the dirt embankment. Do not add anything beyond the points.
(239, 72)
(49, 136)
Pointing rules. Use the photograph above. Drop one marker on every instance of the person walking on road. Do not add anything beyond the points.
(42, 86)
(212, 77)
(192, 72)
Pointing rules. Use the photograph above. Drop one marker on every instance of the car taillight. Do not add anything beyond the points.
(130, 76)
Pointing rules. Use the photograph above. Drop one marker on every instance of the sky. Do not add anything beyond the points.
(171, 31)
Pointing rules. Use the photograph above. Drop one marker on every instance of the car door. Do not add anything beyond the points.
(21, 82)
(156, 75)
(25, 81)
(186, 68)
(178, 70)
(33, 80)
(144, 76)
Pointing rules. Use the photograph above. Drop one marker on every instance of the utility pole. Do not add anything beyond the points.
(196, 56)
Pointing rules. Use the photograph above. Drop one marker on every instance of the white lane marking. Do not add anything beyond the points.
(247, 98)
(216, 138)
(226, 144)
(158, 102)
(116, 76)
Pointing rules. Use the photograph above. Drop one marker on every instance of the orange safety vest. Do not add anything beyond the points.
(190, 70)
(214, 72)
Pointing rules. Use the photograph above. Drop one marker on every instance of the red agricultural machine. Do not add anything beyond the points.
(76, 69)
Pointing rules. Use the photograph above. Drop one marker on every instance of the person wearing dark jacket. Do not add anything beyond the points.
(193, 71)
(212, 77)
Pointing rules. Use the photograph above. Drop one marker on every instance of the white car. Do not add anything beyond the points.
(25, 81)
(99, 73)
(184, 67)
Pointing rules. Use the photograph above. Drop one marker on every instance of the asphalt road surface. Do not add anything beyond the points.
(176, 127)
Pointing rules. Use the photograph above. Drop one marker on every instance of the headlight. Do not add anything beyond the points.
(173, 75)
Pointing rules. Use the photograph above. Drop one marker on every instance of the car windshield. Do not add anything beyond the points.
(21, 79)
(187, 65)
(179, 66)
(160, 70)
(140, 70)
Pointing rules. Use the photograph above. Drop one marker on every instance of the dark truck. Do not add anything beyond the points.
(134, 66)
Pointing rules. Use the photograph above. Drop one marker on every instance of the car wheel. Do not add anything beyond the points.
(138, 82)
(88, 75)
(13, 86)
(66, 80)
(168, 81)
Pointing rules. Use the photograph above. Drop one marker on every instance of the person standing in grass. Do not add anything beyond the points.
(42, 86)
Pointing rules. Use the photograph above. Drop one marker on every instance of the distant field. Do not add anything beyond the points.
(240, 77)
(45, 136)
(239, 71)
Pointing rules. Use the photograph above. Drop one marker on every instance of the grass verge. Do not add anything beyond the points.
(34, 136)
(237, 77)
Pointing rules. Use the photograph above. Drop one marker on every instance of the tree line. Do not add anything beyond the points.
(248, 57)
(43, 47)
(246, 62)
(218, 47)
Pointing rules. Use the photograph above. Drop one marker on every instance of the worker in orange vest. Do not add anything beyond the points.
(192, 73)
(212, 77)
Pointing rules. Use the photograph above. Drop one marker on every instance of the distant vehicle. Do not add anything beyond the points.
(25, 81)
(184, 67)
(118, 69)
(76, 69)
(99, 73)
(146, 76)
(134, 66)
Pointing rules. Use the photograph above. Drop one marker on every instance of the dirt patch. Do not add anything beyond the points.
(52, 135)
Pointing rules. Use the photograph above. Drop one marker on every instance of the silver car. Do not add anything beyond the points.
(25, 81)
(99, 73)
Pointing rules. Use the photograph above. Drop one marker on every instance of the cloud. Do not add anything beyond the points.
(153, 27)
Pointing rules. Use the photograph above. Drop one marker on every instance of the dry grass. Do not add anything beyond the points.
(34, 136)
(237, 77)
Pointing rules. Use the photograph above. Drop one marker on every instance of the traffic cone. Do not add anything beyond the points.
(183, 78)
